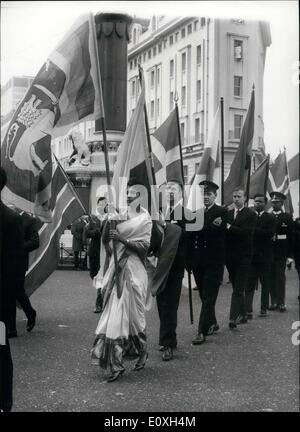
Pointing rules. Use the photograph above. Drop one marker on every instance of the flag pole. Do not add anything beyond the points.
(183, 201)
(107, 170)
(267, 174)
(222, 150)
(248, 183)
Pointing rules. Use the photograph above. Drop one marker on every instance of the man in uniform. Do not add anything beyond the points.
(260, 268)
(282, 250)
(239, 244)
(206, 257)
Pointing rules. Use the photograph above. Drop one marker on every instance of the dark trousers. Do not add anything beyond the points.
(258, 272)
(208, 278)
(167, 305)
(277, 283)
(22, 298)
(76, 259)
(6, 377)
(94, 268)
(238, 274)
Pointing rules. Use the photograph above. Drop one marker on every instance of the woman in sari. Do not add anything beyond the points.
(121, 330)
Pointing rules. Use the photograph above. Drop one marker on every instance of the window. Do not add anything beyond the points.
(134, 36)
(133, 88)
(198, 90)
(159, 48)
(189, 29)
(171, 100)
(149, 54)
(144, 57)
(185, 173)
(196, 25)
(165, 43)
(135, 62)
(197, 130)
(176, 36)
(197, 165)
(238, 120)
(158, 77)
(238, 49)
(182, 132)
(152, 109)
(171, 68)
(157, 107)
(131, 64)
(237, 86)
(183, 62)
(183, 96)
(171, 40)
(202, 22)
(198, 54)
(152, 78)
(154, 51)
(139, 59)
(183, 33)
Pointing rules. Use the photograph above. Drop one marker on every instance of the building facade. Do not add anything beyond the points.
(198, 60)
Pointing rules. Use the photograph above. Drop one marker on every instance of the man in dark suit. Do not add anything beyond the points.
(282, 250)
(239, 244)
(168, 298)
(260, 268)
(31, 242)
(11, 250)
(296, 245)
(206, 258)
(77, 243)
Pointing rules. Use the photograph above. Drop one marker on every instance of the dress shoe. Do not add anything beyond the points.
(282, 308)
(167, 354)
(216, 327)
(199, 339)
(249, 315)
(241, 320)
(12, 334)
(97, 309)
(31, 322)
(263, 313)
(273, 307)
(212, 329)
(115, 375)
(140, 364)
(232, 325)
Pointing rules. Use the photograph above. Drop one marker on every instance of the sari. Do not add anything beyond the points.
(121, 330)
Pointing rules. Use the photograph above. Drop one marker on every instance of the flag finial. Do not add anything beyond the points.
(176, 97)
(253, 87)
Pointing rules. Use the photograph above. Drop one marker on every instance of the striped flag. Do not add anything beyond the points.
(65, 207)
(241, 164)
(279, 180)
(210, 167)
(259, 179)
(293, 167)
(66, 89)
(165, 143)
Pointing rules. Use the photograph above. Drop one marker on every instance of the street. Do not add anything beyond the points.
(253, 368)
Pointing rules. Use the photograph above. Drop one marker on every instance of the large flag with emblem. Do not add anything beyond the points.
(65, 207)
(241, 164)
(279, 180)
(165, 144)
(209, 167)
(66, 89)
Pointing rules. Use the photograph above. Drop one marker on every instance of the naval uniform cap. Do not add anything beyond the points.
(275, 195)
(209, 186)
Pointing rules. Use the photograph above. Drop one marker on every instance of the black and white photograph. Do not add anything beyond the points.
(150, 226)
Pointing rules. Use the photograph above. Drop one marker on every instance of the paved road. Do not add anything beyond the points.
(254, 368)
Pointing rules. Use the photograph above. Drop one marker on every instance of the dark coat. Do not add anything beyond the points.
(12, 253)
(262, 238)
(207, 246)
(92, 231)
(283, 238)
(77, 231)
(31, 237)
(296, 242)
(239, 237)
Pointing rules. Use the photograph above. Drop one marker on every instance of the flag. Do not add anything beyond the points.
(293, 169)
(259, 179)
(279, 180)
(241, 164)
(65, 207)
(65, 90)
(165, 143)
(210, 167)
(133, 157)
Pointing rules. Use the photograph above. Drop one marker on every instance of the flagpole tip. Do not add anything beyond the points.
(253, 87)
